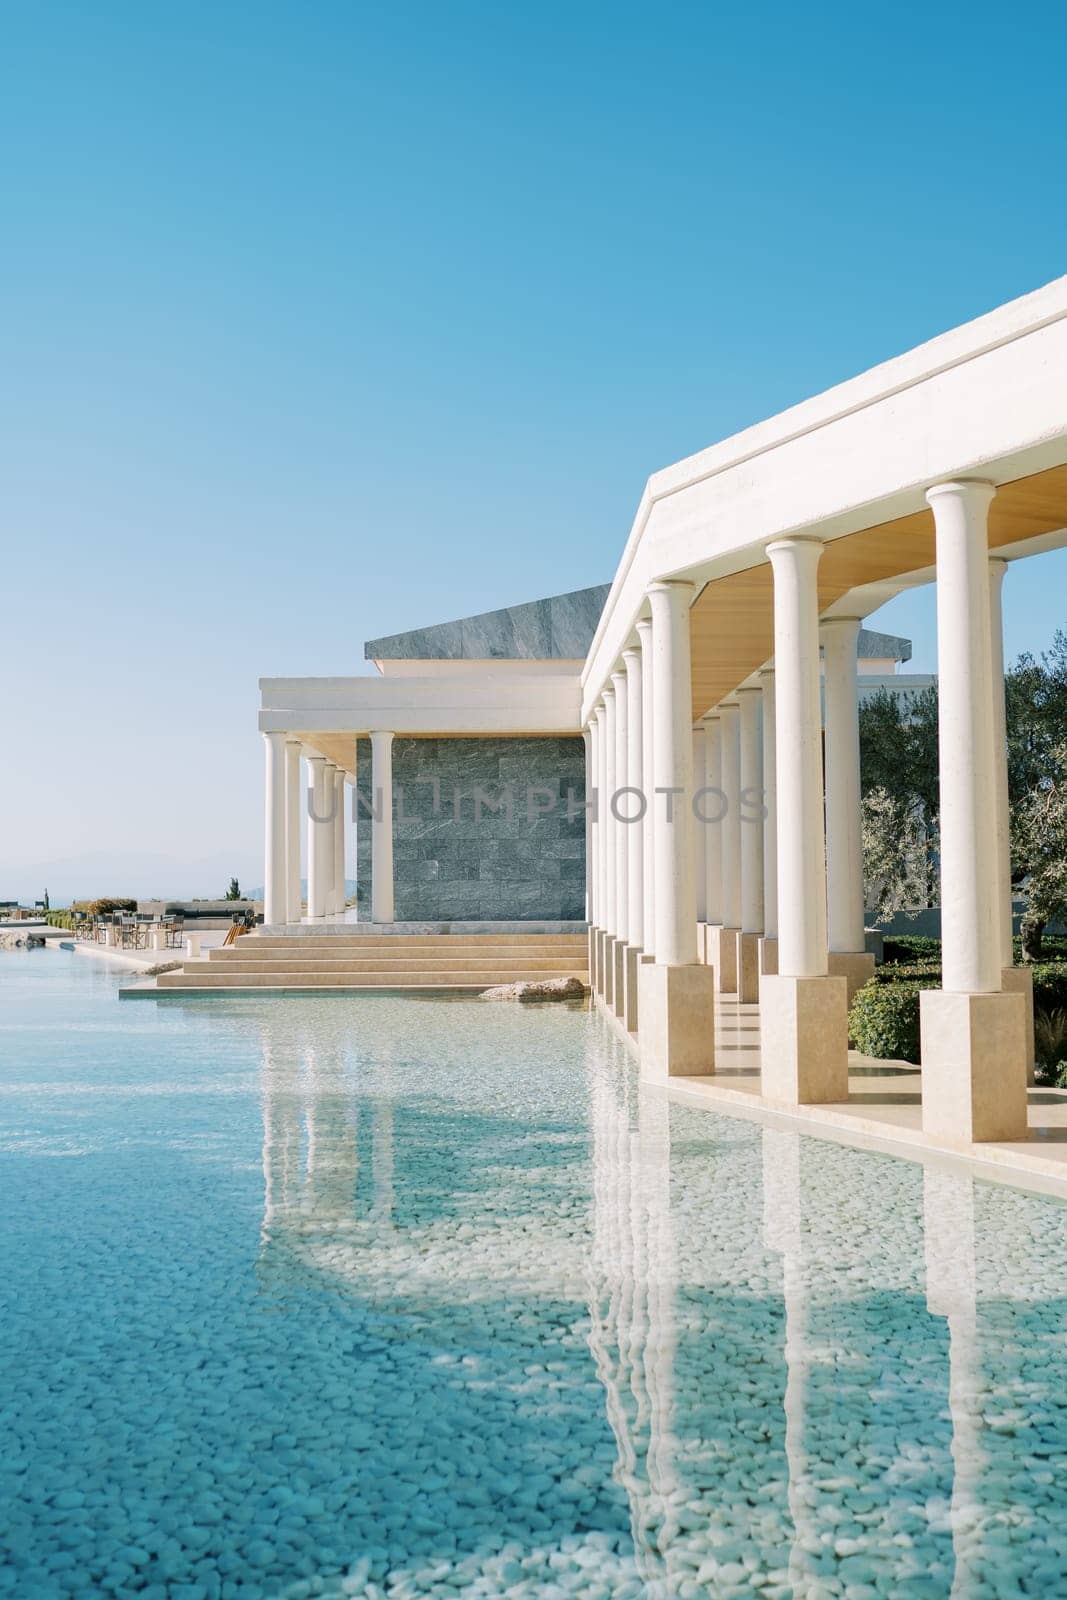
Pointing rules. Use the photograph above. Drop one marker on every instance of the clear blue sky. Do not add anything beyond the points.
(318, 321)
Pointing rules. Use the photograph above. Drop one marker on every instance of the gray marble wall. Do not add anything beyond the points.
(450, 864)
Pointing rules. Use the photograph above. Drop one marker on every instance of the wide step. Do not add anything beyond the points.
(384, 962)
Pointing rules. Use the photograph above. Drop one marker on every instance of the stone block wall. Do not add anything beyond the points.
(453, 865)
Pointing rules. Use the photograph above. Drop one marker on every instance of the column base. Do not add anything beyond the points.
(768, 956)
(973, 1050)
(594, 935)
(607, 970)
(634, 959)
(748, 967)
(600, 938)
(804, 1040)
(677, 1008)
(1020, 980)
(854, 966)
(722, 956)
(618, 977)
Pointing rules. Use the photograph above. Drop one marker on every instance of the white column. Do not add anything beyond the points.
(803, 1009)
(611, 879)
(319, 854)
(770, 821)
(970, 865)
(588, 744)
(339, 842)
(381, 744)
(635, 829)
(712, 808)
(293, 797)
(330, 846)
(700, 860)
(601, 747)
(622, 860)
(997, 569)
(844, 838)
(751, 755)
(672, 764)
(802, 951)
(274, 906)
(730, 768)
(648, 940)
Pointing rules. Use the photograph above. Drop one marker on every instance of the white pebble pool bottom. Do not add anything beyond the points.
(394, 1298)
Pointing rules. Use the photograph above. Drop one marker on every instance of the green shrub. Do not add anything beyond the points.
(884, 1020)
(925, 973)
(60, 919)
(910, 947)
(1050, 1045)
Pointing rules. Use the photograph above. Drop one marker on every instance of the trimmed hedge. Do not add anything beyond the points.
(899, 948)
(884, 1020)
(60, 919)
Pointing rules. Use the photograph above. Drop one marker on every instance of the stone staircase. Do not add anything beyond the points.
(368, 961)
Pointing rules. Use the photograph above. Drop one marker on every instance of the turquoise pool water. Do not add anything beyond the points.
(397, 1298)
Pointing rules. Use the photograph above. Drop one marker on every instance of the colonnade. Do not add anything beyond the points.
(782, 868)
(322, 803)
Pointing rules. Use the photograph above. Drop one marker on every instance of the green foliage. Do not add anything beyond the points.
(904, 947)
(898, 768)
(884, 1020)
(60, 919)
(234, 891)
(1050, 1046)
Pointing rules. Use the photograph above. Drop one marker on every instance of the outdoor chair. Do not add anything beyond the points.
(174, 928)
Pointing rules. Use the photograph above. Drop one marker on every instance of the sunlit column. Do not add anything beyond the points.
(804, 1011)
(1016, 978)
(672, 757)
(712, 808)
(622, 858)
(339, 842)
(320, 855)
(770, 825)
(973, 1035)
(648, 941)
(293, 891)
(634, 830)
(382, 905)
(274, 907)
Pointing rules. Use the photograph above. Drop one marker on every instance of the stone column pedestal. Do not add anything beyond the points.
(802, 1023)
(748, 967)
(618, 976)
(854, 966)
(722, 956)
(768, 956)
(607, 970)
(594, 946)
(677, 1009)
(629, 1012)
(970, 1045)
(1020, 980)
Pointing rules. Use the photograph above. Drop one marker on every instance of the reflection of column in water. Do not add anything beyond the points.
(782, 1232)
(382, 1146)
(332, 1156)
(948, 1221)
(654, 1156)
(282, 1141)
(622, 1338)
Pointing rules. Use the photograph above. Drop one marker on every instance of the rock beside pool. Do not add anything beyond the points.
(538, 989)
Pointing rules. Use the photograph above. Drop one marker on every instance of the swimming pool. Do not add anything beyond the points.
(396, 1297)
